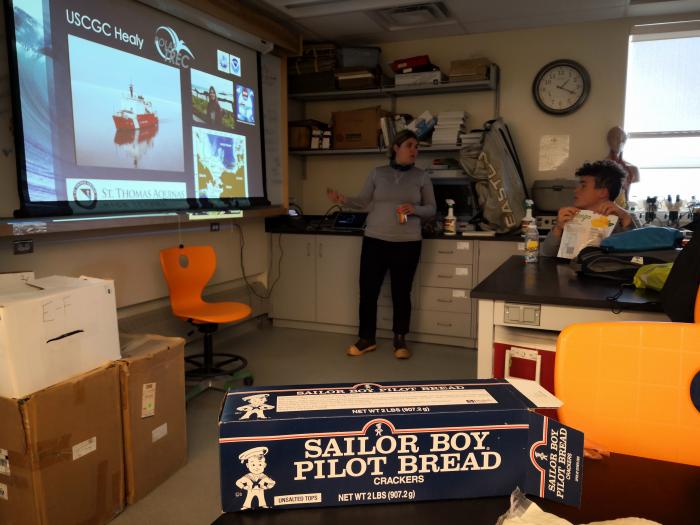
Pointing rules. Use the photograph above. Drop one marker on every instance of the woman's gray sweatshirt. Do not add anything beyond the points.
(385, 190)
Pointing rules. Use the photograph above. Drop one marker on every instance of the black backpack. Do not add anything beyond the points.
(679, 292)
(618, 267)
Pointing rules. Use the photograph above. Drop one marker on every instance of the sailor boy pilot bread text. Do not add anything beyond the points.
(375, 443)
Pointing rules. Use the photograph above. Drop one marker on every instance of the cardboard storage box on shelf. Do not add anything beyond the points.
(301, 133)
(61, 455)
(153, 406)
(335, 445)
(357, 129)
(412, 79)
(469, 69)
(54, 328)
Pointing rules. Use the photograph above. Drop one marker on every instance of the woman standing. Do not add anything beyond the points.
(398, 197)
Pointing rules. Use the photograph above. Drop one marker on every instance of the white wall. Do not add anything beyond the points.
(601, 47)
(131, 259)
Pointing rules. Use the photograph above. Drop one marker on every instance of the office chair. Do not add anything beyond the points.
(633, 387)
(187, 270)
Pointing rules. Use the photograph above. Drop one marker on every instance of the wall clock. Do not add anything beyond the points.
(561, 87)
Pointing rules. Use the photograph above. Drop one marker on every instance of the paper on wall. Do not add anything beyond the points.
(585, 229)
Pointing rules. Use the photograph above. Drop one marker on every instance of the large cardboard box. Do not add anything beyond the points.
(332, 445)
(357, 129)
(54, 328)
(61, 455)
(153, 407)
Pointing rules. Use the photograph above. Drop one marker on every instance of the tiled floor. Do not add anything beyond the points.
(279, 356)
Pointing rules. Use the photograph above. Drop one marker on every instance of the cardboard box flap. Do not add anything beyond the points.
(35, 288)
(555, 461)
(357, 400)
(12, 436)
(138, 346)
(535, 393)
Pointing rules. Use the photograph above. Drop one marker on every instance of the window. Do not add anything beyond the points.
(662, 110)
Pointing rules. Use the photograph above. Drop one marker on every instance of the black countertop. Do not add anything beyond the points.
(317, 225)
(553, 281)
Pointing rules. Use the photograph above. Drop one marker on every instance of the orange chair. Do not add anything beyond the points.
(187, 270)
(633, 387)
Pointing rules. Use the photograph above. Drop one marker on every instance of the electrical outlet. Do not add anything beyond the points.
(23, 246)
(214, 227)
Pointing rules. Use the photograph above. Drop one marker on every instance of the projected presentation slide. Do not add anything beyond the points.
(212, 100)
(127, 116)
(121, 102)
(219, 164)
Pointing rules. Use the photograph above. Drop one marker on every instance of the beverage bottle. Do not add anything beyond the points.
(532, 243)
(528, 219)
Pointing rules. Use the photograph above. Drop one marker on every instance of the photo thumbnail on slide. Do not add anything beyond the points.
(212, 100)
(220, 168)
(245, 104)
(127, 110)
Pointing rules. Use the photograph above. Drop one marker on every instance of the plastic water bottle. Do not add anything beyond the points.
(532, 243)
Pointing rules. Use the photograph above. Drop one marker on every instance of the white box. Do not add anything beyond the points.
(412, 79)
(54, 328)
(14, 280)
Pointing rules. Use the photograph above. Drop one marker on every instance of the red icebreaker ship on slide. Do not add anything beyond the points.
(136, 112)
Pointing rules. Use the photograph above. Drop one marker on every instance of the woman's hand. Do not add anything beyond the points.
(408, 209)
(334, 196)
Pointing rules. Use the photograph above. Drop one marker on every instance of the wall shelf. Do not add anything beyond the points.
(490, 84)
(368, 151)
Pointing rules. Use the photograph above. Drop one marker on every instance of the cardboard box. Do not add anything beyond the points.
(153, 407)
(61, 455)
(357, 129)
(301, 133)
(469, 69)
(413, 79)
(334, 445)
(54, 328)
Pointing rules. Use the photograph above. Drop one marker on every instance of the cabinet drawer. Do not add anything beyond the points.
(446, 275)
(447, 251)
(445, 300)
(385, 293)
(442, 323)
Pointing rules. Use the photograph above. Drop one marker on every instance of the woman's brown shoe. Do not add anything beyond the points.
(361, 347)
(401, 351)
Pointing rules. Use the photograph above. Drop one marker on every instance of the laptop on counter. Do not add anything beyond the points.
(349, 221)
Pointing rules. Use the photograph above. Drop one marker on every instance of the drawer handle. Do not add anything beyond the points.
(444, 324)
(444, 276)
(444, 300)
(446, 252)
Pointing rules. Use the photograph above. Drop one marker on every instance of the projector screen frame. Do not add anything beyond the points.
(29, 208)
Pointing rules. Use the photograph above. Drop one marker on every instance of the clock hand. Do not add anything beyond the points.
(567, 90)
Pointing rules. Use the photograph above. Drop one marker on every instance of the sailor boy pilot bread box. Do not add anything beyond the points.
(52, 329)
(332, 445)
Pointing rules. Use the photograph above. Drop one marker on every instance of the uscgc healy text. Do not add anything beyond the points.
(102, 28)
(356, 456)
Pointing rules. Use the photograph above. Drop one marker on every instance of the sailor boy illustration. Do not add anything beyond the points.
(256, 482)
(256, 405)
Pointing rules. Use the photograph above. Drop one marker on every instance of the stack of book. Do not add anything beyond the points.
(391, 125)
(450, 128)
(445, 169)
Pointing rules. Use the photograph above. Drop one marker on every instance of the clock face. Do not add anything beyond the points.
(561, 87)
